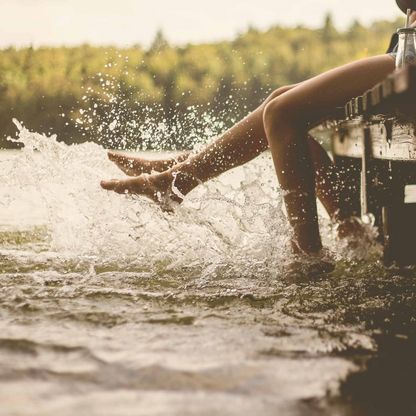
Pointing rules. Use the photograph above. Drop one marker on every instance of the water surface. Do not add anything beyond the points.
(110, 306)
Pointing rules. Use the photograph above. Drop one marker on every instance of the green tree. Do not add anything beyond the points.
(79, 92)
(329, 31)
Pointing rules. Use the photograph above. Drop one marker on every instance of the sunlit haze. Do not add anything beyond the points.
(127, 22)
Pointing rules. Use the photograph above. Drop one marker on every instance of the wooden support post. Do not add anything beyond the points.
(366, 173)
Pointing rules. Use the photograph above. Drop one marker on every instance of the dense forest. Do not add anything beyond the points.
(169, 96)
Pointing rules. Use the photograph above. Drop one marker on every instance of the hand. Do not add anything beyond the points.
(412, 20)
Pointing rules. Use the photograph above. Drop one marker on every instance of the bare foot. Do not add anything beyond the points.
(130, 165)
(136, 166)
(155, 187)
(310, 267)
(351, 228)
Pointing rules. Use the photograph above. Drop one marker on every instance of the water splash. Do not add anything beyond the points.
(111, 114)
(234, 225)
(234, 222)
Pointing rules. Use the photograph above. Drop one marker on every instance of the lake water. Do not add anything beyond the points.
(109, 306)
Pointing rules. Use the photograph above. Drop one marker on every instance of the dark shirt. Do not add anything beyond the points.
(393, 43)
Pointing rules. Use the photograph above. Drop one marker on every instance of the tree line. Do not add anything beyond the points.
(168, 96)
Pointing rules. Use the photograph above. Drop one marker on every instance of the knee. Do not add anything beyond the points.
(274, 115)
(277, 92)
(274, 106)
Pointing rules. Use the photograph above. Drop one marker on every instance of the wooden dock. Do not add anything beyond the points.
(373, 141)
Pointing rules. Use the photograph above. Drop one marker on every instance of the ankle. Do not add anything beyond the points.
(176, 182)
(307, 238)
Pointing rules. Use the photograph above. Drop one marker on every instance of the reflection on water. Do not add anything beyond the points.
(109, 306)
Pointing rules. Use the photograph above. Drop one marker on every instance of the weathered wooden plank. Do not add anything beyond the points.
(390, 139)
(347, 138)
(389, 109)
(397, 144)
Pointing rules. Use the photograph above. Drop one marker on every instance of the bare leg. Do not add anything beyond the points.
(240, 144)
(287, 119)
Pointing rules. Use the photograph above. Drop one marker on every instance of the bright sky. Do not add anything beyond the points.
(125, 22)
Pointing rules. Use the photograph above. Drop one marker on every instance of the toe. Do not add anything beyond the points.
(115, 157)
(109, 185)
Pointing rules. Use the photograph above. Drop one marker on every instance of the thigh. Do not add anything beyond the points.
(316, 97)
(279, 91)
